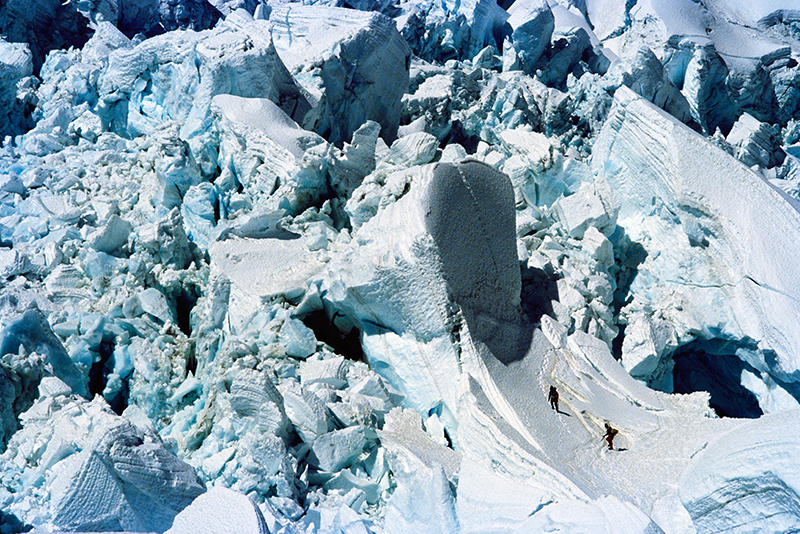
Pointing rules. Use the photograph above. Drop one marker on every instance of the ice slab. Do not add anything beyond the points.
(533, 24)
(747, 478)
(660, 169)
(146, 85)
(260, 268)
(354, 63)
(84, 468)
(267, 117)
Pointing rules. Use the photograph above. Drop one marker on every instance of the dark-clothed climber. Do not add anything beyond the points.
(552, 397)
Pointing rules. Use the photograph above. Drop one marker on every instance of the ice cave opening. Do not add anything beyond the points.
(712, 365)
(99, 374)
(331, 330)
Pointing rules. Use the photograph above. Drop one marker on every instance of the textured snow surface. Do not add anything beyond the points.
(718, 486)
(659, 165)
(313, 266)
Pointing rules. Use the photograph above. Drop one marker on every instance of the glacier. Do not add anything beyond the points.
(280, 267)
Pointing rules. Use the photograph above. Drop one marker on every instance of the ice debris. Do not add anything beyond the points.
(331, 276)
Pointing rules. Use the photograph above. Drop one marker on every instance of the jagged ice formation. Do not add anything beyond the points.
(288, 267)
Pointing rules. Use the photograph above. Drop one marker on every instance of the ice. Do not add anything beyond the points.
(305, 410)
(339, 281)
(593, 205)
(31, 333)
(299, 339)
(438, 31)
(335, 450)
(153, 17)
(330, 372)
(569, 47)
(240, 515)
(46, 28)
(607, 514)
(533, 24)
(354, 64)
(89, 469)
(716, 226)
(202, 64)
(755, 143)
(264, 152)
(265, 116)
(113, 235)
(719, 486)
(645, 75)
(165, 240)
(16, 65)
(260, 268)
(423, 500)
(357, 159)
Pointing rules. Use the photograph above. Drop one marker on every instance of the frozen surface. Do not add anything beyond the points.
(717, 487)
(327, 261)
(680, 209)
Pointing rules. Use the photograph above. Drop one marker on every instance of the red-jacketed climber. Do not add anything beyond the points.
(609, 436)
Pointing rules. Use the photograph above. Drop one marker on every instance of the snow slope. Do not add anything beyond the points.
(317, 264)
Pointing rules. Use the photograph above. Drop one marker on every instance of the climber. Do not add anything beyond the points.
(552, 397)
(609, 436)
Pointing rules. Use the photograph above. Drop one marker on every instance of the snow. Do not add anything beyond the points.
(203, 515)
(717, 487)
(327, 261)
(669, 186)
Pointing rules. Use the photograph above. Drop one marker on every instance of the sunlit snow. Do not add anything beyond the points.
(282, 267)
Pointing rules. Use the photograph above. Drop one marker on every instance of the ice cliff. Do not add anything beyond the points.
(288, 267)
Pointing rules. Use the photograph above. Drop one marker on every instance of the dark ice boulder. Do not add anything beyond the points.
(645, 75)
(532, 23)
(46, 25)
(152, 17)
(451, 29)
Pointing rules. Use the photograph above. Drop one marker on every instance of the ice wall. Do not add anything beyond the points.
(729, 487)
(718, 237)
(354, 64)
